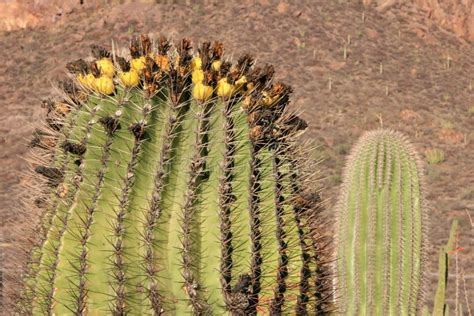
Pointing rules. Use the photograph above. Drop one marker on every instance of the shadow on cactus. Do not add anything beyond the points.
(381, 228)
(174, 187)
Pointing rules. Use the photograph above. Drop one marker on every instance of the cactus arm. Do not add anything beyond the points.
(439, 308)
(439, 302)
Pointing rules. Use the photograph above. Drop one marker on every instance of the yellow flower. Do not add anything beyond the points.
(197, 76)
(267, 100)
(106, 67)
(138, 64)
(216, 65)
(224, 89)
(196, 63)
(104, 85)
(241, 81)
(130, 78)
(86, 80)
(202, 92)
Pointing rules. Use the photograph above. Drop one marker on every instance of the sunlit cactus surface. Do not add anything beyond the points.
(172, 186)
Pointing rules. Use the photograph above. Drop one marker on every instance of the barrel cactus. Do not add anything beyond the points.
(381, 228)
(172, 186)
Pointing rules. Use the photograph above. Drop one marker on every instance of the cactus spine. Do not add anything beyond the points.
(175, 190)
(381, 228)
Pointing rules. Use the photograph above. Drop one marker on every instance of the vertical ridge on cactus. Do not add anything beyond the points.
(174, 187)
(381, 227)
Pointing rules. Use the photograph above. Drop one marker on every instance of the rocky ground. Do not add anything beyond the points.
(352, 68)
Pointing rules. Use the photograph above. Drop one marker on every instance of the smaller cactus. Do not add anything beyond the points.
(440, 307)
(381, 228)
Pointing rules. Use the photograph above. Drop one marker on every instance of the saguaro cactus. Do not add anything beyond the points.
(381, 227)
(175, 190)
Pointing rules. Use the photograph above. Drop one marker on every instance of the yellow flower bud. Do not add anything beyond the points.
(202, 92)
(266, 99)
(250, 86)
(216, 65)
(197, 76)
(86, 80)
(106, 67)
(138, 64)
(241, 81)
(104, 85)
(224, 89)
(130, 78)
(246, 103)
(196, 63)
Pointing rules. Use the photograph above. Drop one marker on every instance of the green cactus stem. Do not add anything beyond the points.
(173, 187)
(440, 308)
(381, 228)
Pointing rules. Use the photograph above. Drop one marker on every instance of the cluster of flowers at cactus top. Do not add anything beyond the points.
(130, 78)
(104, 83)
(201, 91)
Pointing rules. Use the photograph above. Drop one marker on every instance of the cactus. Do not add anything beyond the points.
(440, 307)
(381, 228)
(172, 186)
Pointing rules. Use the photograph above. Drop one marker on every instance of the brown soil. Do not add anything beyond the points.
(352, 69)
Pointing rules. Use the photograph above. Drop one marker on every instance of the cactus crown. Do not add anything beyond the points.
(174, 188)
(381, 228)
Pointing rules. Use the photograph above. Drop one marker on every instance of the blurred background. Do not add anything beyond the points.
(353, 65)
